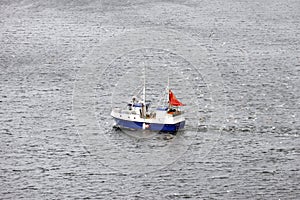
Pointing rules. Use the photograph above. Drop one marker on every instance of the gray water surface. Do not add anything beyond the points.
(237, 64)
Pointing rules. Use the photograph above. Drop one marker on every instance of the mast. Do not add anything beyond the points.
(168, 88)
(144, 95)
(144, 89)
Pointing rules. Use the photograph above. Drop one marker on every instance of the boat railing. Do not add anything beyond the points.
(128, 112)
(151, 115)
(175, 113)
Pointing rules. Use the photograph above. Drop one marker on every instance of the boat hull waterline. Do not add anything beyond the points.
(171, 128)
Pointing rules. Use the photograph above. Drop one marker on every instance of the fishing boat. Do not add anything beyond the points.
(166, 117)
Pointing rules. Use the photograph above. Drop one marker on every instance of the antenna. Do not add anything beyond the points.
(168, 87)
(144, 89)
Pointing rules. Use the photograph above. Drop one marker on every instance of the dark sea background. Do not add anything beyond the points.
(64, 64)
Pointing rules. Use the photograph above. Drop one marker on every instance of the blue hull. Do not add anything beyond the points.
(152, 126)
